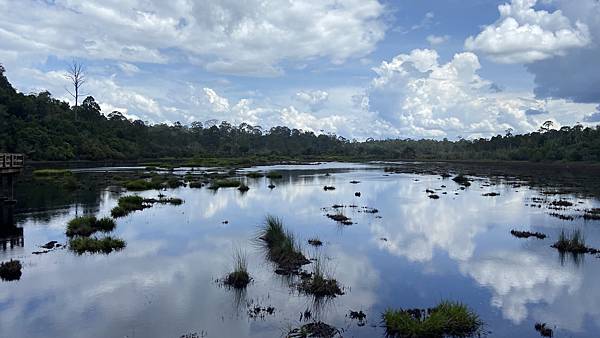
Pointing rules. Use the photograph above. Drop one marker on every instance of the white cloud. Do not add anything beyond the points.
(523, 34)
(245, 38)
(314, 99)
(437, 40)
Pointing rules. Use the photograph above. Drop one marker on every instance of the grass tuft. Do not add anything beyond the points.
(106, 245)
(573, 242)
(446, 319)
(88, 225)
(239, 278)
(282, 248)
(10, 270)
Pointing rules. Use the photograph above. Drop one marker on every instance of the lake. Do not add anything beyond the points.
(411, 252)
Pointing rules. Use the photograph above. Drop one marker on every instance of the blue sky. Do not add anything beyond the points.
(357, 68)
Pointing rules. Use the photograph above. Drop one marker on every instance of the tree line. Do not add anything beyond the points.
(45, 128)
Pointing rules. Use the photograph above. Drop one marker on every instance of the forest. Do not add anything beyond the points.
(47, 129)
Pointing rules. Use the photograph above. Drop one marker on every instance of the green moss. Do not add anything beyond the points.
(88, 225)
(446, 319)
(106, 245)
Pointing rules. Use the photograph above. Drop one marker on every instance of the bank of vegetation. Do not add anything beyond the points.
(45, 128)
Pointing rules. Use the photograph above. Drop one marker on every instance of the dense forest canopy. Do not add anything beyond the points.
(45, 128)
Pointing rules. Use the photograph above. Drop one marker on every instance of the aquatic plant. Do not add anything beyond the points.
(543, 330)
(224, 183)
(319, 283)
(328, 188)
(315, 329)
(243, 187)
(196, 184)
(281, 246)
(315, 241)
(573, 243)
(274, 175)
(462, 180)
(340, 218)
(141, 185)
(128, 204)
(10, 270)
(88, 225)
(106, 245)
(255, 174)
(446, 319)
(240, 277)
(527, 234)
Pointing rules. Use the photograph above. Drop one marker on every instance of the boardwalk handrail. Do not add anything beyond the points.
(11, 161)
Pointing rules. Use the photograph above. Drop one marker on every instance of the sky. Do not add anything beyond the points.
(357, 68)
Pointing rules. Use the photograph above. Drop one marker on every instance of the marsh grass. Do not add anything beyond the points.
(224, 183)
(281, 246)
(320, 283)
(81, 245)
(88, 225)
(573, 242)
(11, 270)
(243, 187)
(239, 278)
(446, 319)
(255, 174)
(131, 203)
(462, 180)
(274, 175)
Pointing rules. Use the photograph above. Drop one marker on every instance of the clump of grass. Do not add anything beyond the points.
(224, 183)
(527, 234)
(141, 185)
(239, 278)
(315, 242)
(319, 283)
(573, 242)
(128, 204)
(10, 270)
(243, 187)
(196, 184)
(315, 329)
(327, 187)
(51, 172)
(462, 180)
(255, 174)
(274, 175)
(446, 319)
(88, 225)
(281, 246)
(106, 245)
(340, 218)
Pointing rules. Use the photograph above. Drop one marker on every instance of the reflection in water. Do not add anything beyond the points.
(163, 284)
(11, 237)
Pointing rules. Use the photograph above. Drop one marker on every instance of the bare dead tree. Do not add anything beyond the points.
(76, 74)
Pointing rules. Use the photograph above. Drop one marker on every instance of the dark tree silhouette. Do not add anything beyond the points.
(76, 74)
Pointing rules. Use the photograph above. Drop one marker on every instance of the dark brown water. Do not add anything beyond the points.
(415, 252)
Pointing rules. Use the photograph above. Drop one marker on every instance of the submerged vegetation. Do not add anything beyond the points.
(105, 245)
(282, 248)
(88, 225)
(446, 319)
(11, 270)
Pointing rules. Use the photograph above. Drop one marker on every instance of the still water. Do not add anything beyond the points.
(414, 252)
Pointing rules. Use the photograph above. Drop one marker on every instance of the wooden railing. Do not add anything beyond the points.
(11, 161)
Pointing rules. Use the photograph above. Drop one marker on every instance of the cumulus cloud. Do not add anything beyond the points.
(437, 40)
(314, 99)
(246, 38)
(575, 76)
(423, 98)
(523, 34)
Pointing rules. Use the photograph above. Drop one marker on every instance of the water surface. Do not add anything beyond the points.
(414, 252)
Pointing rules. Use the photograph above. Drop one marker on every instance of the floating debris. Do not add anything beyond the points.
(354, 182)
